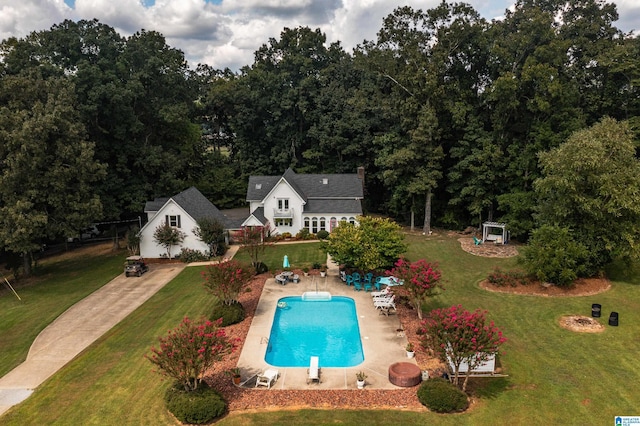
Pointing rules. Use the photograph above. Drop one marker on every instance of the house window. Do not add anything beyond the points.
(314, 225)
(323, 224)
(306, 223)
(283, 204)
(284, 222)
(172, 220)
(352, 220)
(332, 224)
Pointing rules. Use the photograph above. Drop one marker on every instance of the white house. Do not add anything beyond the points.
(293, 201)
(181, 211)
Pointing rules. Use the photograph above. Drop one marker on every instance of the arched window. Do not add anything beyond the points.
(352, 220)
(306, 223)
(314, 225)
(323, 224)
(332, 224)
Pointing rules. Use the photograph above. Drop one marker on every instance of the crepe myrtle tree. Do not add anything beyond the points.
(226, 280)
(456, 335)
(189, 350)
(421, 280)
(211, 232)
(168, 236)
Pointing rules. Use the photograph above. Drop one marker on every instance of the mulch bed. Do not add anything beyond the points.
(239, 398)
(581, 287)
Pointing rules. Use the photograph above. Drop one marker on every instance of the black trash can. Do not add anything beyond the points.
(596, 309)
(613, 319)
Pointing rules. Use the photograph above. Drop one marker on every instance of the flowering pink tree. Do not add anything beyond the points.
(421, 280)
(225, 280)
(456, 336)
(189, 350)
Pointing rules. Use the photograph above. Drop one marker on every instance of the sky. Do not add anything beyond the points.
(226, 33)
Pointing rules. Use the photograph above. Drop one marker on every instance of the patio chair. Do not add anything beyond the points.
(357, 285)
(384, 292)
(349, 280)
(265, 379)
(313, 373)
(476, 241)
(377, 283)
(385, 304)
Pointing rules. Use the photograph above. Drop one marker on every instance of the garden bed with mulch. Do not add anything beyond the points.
(581, 287)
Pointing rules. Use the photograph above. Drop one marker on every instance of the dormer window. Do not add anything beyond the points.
(325, 181)
(258, 186)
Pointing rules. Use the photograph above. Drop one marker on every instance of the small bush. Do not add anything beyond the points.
(188, 255)
(286, 235)
(322, 234)
(261, 268)
(317, 265)
(303, 234)
(222, 249)
(230, 314)
(197, 407)
(441, 396)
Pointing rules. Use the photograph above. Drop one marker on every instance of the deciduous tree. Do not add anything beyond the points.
(168, 236)
(421, 280)
(456, 335)
(226, 280)
(189, 350)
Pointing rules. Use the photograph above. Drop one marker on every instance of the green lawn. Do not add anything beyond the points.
(300, 255)
(57, 285)
(555, 376)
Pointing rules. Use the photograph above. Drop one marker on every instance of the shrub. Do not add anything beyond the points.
(438, 395)
(554, 255)
(188, 255)
(230, 314)
(286, 235)
(261, 268)
(317, 265)
(322, 234)
(196, 407)
(502, 278)
(225, 280)
(303, 234)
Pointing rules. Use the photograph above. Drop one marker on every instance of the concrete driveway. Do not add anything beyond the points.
(80, 326)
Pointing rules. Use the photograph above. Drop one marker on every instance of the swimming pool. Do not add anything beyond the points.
(327, 329)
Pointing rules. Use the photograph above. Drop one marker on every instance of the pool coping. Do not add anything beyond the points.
(383, 340)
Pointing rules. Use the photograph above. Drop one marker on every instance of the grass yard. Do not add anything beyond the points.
(555, 376)
(58, 284)
(300, 255)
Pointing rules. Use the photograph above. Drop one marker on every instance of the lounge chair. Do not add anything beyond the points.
(265, 379)
(390, 303)
(384, 292)
(313, 371)
(383, 298)
(476, 241)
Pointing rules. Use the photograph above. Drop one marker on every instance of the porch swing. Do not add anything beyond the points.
(496, 232)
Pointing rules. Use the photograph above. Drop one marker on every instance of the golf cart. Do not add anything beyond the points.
(135, 265)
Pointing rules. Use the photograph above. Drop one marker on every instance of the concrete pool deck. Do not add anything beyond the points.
(383, 341)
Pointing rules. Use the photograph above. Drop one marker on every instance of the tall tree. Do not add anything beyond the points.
(591, 185)
(48, 166)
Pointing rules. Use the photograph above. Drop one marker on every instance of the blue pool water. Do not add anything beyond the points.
(327, 329)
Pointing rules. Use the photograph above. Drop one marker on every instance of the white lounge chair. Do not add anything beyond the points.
(385, 291)
(385, 304)
(265, 379)
(314, 370)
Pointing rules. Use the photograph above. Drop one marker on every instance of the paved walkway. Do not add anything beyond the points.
(80, 326)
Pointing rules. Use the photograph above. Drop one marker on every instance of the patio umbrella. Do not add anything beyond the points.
(285, 262)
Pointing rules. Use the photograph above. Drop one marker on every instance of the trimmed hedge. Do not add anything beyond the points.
(196, 407)
(230, 314)
(441, 396)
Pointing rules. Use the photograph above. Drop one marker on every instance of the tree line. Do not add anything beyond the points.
(449, 114)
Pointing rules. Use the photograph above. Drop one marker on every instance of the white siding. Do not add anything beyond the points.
(150, 249)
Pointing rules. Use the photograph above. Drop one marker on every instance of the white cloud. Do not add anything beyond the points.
(229, 33)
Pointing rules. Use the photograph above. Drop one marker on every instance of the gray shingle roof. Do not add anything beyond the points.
(194, 203)
(309, 186)
(352, 207)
